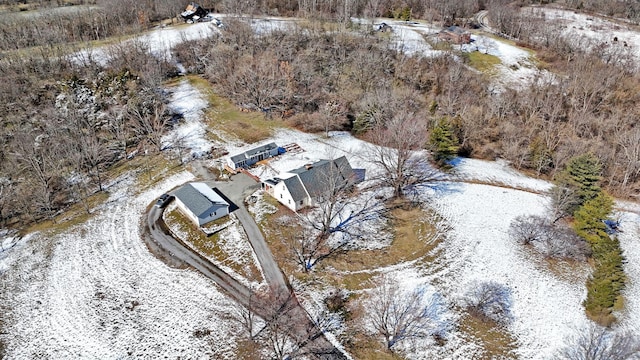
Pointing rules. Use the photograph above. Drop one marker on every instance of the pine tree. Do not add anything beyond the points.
(582, 175)
(443, 142)
(585, 171)
(589, 219)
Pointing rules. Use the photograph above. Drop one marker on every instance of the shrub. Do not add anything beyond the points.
(489, 300)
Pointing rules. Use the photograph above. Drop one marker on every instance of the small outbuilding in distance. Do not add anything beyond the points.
(456, 35)
(249, 157)
(201, 203)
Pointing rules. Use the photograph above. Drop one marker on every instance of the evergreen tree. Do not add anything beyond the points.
(589, 219)
(443, 142)
(582, 175)
(585, 172)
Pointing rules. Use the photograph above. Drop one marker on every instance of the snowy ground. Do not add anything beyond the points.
(516, 66)
(159, 41)
(545, 306)
(97, 292)
(499, 173)
(629, 216)
(190, 132)
(598, 31)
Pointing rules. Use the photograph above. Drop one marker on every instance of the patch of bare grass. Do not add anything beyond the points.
(208, 246)
(222, 115)
(496, 342)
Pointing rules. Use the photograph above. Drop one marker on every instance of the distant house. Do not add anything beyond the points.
(456, 35)
(193, 12)
(301, 187)
(384, 27)
(201, 203)
(250, 157)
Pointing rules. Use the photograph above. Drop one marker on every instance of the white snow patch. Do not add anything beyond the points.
(190, 133)
(498, 172)
(597, 30)
(516, 68)
(630, 243)
(159, 42)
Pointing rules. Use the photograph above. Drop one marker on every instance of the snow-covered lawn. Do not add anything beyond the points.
(99, 293)
(497, 172)
(546, 307)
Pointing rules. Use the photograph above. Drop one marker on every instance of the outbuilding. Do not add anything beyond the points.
(201, 203)
(249, 157)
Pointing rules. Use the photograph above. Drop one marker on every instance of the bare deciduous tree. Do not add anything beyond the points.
(399, 315)
(394, 153)
(527, 229)
(489, 300)
(563, 199)
(598, 343)
(553, 240)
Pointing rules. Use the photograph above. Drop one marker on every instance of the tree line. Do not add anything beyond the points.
(66, 123)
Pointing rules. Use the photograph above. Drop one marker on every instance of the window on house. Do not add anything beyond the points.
(280, 196)
(301, 202)
(289, 201)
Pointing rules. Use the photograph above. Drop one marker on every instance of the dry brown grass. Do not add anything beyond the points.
(223, 116)
(209, 246)
(496, 342)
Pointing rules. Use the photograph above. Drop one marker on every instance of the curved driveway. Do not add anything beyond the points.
(175, 253)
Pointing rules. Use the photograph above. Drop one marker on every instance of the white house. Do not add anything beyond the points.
(201, 203)
(302, 187)
(252, 156)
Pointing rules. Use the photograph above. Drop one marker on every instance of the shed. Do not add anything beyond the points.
(456, 35)
(247, 158)
(201, 203)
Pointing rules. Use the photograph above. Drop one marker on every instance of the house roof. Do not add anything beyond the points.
(319, 176)
(249, 153)
(455, 30)
(198, 197)
(296, 189)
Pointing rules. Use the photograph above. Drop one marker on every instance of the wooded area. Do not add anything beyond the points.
(317, 80)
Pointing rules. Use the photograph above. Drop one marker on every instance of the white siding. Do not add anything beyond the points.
(187, 212)
(282, 194)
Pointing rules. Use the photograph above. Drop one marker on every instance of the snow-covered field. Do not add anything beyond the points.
(95, 291)
(159, 42)
(629, 216)
(615, 36)
(190, 132)
(545, 307)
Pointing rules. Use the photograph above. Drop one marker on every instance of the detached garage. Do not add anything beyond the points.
(201, 203)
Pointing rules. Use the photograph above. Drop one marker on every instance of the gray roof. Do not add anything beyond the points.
(199, 198)
(319, 176)
(295, 188)
(456, 30)
(249, 153)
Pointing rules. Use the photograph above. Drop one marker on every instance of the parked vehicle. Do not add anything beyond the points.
(164, 200)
